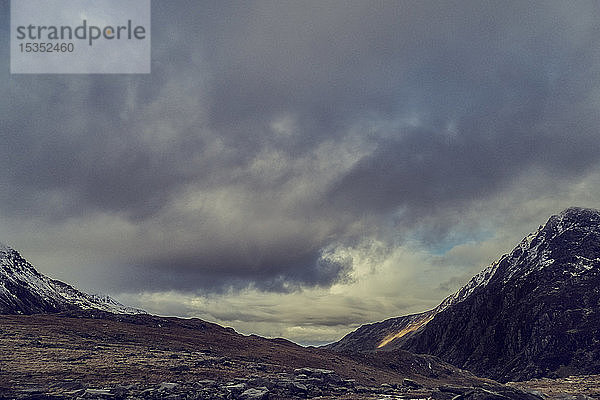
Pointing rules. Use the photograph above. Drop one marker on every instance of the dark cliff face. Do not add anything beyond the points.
(536, 313)
(539, 315)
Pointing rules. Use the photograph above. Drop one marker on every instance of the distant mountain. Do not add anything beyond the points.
(533, 313)
(23, 290)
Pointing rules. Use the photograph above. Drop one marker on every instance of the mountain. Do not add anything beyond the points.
(74, 345)
(533, 313)
(98, 355)
(393, 331)
(23, 290)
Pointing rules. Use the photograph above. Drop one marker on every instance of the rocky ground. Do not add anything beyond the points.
(105, 356)
(305, 383)
(570, 388)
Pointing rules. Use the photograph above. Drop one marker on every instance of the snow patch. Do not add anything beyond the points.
(479, 280)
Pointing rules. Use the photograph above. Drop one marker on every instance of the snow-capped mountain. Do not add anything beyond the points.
(23, 290)
(535, 312)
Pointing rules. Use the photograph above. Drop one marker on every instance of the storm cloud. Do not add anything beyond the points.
(274, 142)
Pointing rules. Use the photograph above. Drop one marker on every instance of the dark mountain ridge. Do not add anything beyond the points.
(23, 290)
(534, 313)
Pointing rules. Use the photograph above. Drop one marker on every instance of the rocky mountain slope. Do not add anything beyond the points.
(23, 290)
(96, 355)
(534, 313)
(394, 331)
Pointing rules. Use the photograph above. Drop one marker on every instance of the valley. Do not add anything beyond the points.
(101, 355)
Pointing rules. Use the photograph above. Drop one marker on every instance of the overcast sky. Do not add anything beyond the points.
(298, 168)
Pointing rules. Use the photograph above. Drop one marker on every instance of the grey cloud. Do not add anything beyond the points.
(445, 104)
(279, 271)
